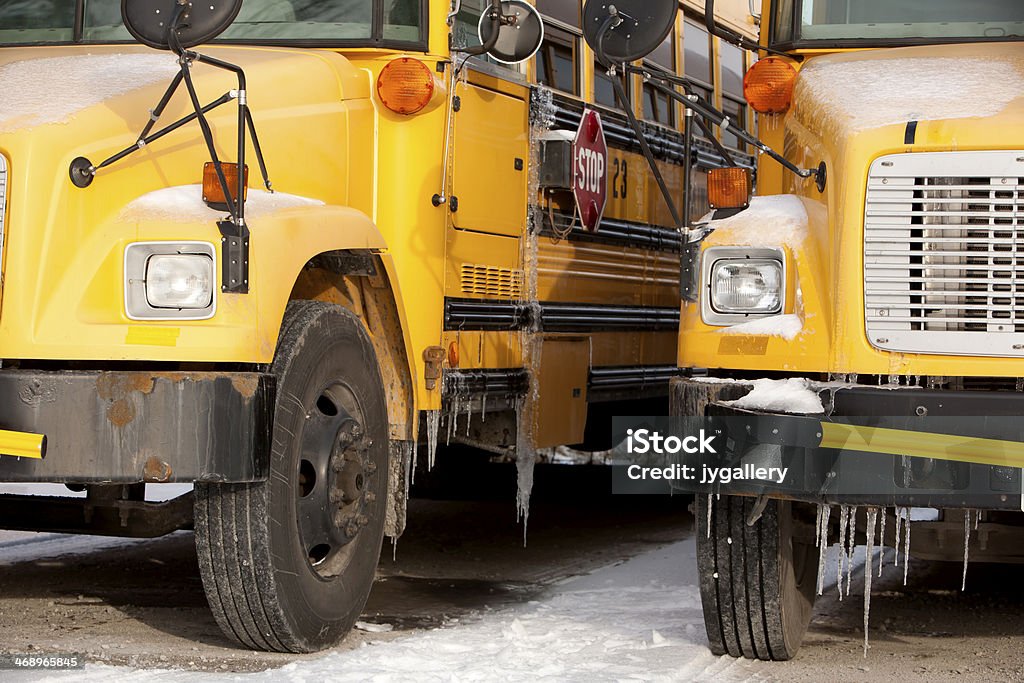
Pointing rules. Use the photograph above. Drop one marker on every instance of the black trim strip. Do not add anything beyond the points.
(911, 133)
(667, 145)
(486, 315)
(505, 382)
(558, 317)
(489, 315)
(618, 233)
(634, 377)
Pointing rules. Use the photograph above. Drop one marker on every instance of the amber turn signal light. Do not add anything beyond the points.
(729, 188)
(213, 191)
(405, 86)
(768, 85)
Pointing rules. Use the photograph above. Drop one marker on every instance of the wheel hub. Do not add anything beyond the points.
(335, 477)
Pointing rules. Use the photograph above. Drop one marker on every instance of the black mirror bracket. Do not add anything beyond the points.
(234, 230)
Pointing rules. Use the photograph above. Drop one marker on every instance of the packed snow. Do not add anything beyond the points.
(860, 91)
(49, 90)
(792, 395)
(770, 221)
(785, 326)
(638, 620)
(184, 204)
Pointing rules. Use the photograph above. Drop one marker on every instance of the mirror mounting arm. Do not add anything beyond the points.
(497, 19)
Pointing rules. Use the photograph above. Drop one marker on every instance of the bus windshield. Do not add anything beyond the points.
(854, 23)
(340, 22)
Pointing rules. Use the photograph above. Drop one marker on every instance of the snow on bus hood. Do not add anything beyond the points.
(184, 204)
(863, 90)
(770, 221)
(49, 90)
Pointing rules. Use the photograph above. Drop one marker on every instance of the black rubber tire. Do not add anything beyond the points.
(757, 582)
(258, 577)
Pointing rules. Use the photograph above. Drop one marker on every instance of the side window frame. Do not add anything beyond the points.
(560, 33)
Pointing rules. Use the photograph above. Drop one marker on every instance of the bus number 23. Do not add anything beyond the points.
(620, 182)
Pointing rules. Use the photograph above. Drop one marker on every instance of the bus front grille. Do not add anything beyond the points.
(942, 254)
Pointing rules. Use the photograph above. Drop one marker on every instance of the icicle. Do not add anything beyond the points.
(898, 511)
(526, 460)
(394, 549)
(881, 543)
(977, 518)
(825, 511)
(844, 516)
(433, 427)
(851, 541)
(967, 547)
(469, 414)
(906, 547)
(483, 408)
(710, 504)
(817, 526)
(872, 515)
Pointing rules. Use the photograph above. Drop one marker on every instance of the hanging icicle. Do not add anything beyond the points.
(824, 512)
(851, 541)
(906, 546)
(967, 547)
(711, 504)
(881, 543)
(844, 516)
(869, 552)
(898, 512)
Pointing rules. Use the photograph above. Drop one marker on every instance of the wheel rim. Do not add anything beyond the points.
(333, 482)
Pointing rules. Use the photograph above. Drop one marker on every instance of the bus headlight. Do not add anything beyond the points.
(746, 286)
(170, 280)
(742, 284)
(179, 281)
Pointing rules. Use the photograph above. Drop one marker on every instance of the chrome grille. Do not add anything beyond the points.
(942, 258)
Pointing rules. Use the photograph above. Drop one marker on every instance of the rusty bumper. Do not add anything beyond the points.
(133, 427)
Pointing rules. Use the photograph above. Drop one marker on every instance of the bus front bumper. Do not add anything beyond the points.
(898, 446)
(133, 427)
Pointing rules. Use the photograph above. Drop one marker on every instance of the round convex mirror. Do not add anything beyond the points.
(149, 21)
(517, 41)
(643, 27)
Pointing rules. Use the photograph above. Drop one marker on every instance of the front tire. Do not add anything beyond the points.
(287, 564)
(757, 582)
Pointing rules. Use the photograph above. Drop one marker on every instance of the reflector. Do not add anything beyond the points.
(729, 188)
(149, 21)
(640, 27)
(768, 85)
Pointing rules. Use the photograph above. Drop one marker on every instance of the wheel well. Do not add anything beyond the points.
(357, 281)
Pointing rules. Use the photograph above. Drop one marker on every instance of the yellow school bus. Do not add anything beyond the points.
(879, 286)
(403, 261)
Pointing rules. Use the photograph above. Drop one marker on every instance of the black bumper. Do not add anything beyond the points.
(831, 475)
(134, 427)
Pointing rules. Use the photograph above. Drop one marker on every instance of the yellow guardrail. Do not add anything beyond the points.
(22, 445)
(922, 444)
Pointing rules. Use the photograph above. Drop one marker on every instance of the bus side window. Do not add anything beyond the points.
(604, 90)
(697, 59)
(658, 106)
(557, 62)
(733, 104)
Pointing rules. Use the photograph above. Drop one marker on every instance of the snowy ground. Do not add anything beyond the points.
(640, 620)
(606, 590)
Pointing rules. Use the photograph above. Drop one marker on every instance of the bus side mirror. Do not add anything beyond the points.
(520, 32)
